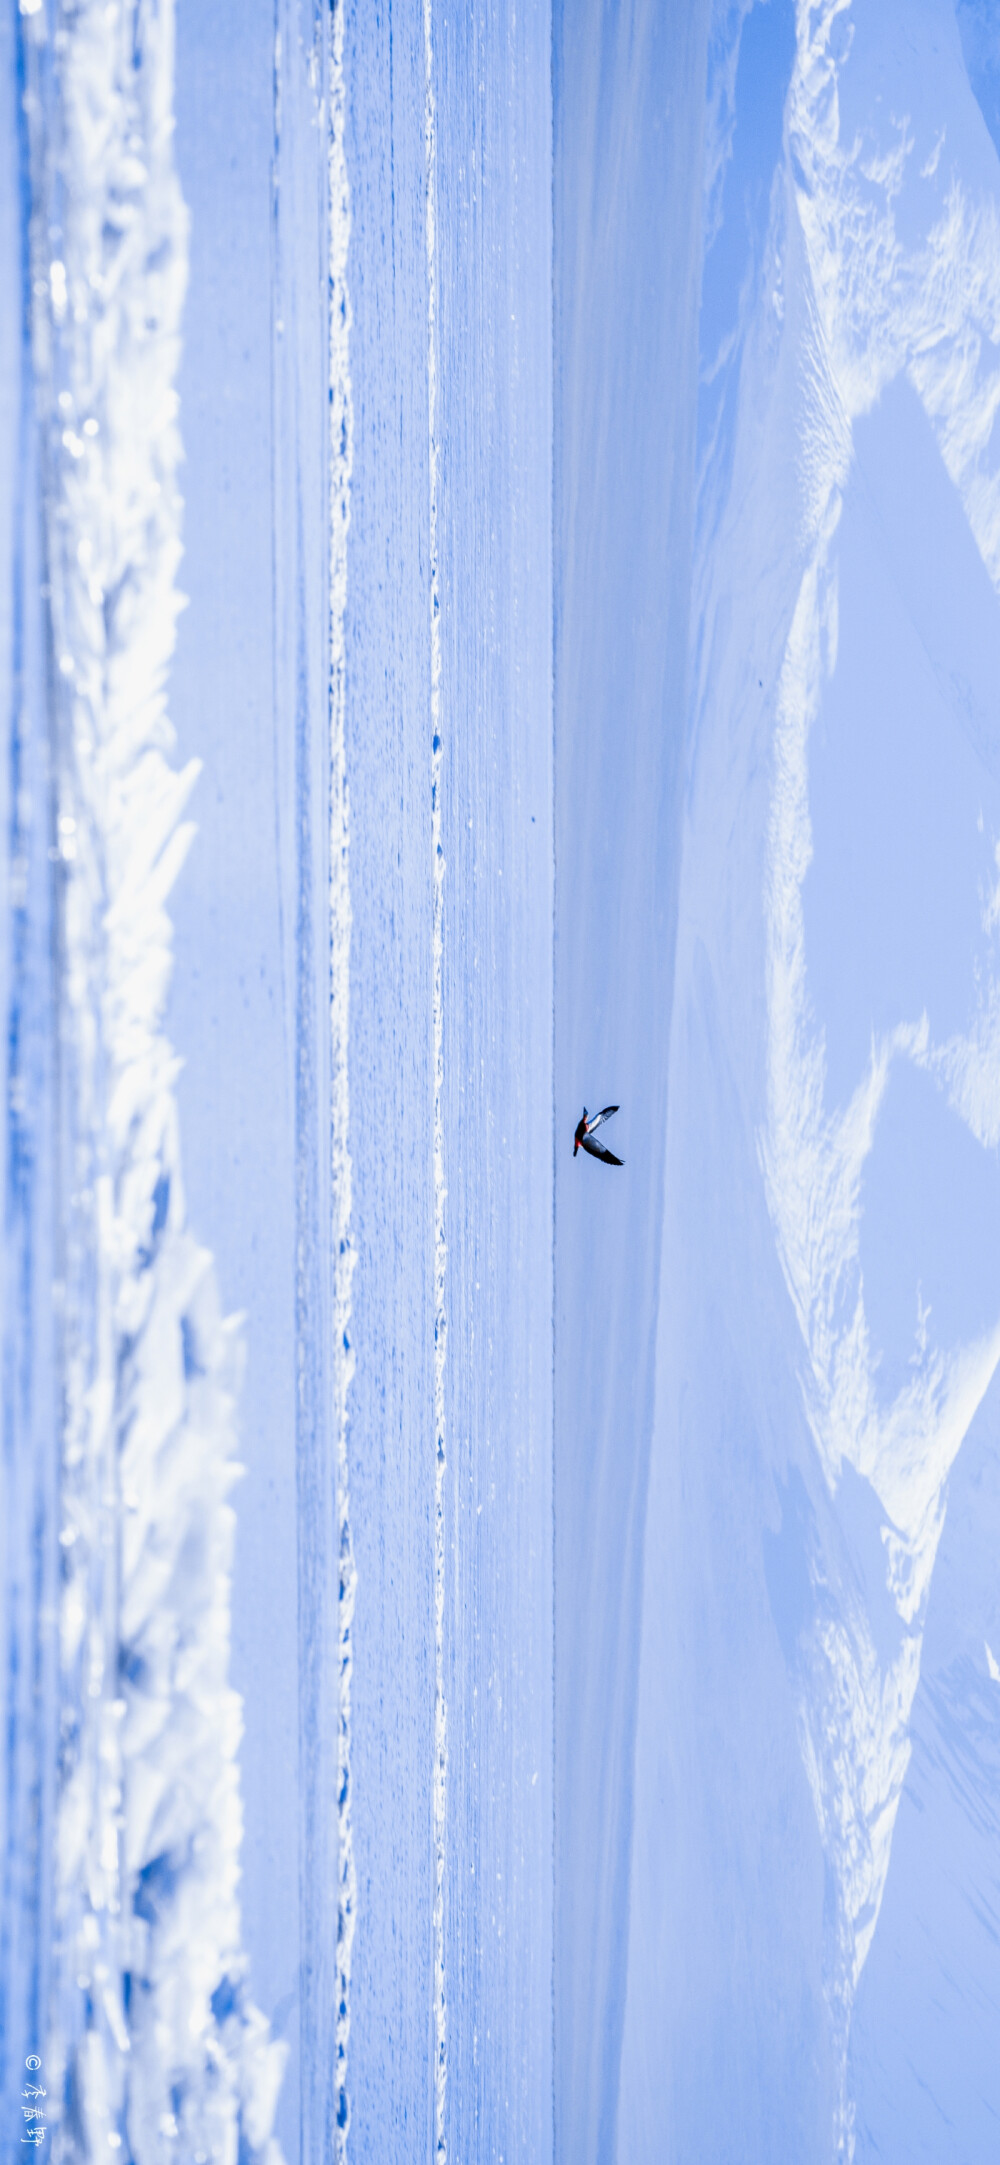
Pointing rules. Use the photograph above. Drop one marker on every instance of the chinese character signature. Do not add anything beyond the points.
(33, 2111)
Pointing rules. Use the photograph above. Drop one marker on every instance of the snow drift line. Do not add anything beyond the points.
(342, 1252)
(440, 1186)
(152, 2037)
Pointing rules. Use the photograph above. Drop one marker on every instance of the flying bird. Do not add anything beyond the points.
(584, 1139)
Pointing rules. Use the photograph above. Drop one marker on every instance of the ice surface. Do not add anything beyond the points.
(487, 1560)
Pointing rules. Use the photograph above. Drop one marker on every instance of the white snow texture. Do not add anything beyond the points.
(155, 2042)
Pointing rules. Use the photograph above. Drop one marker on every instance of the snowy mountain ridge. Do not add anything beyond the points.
(901, 272)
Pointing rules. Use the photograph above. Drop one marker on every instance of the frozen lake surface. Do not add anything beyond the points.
(500, 610)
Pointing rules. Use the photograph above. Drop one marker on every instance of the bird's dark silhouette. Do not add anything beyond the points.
(584, 1138)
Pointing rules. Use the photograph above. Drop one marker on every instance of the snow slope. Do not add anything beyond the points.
(629, 102)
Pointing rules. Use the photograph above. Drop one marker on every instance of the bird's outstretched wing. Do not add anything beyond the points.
(597, 1150)
(597, 1119)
